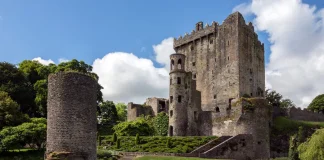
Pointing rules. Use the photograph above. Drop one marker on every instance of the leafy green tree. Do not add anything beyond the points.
(31, 70)
(276, 99)
(108, 113)
(18, 87)
(317, 105)
(41, 96)
(10, 114)
(32, 133)
(161, 123)
(121, 111)
(313, 148)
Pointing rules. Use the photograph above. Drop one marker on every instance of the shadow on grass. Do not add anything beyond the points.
(23, 154)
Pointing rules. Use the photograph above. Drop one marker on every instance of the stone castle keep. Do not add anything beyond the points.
(214, 67)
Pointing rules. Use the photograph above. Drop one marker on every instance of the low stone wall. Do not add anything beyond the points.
(304, 115)
(134, 154)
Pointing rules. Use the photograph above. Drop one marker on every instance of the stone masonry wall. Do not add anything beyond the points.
(304, 115)
(71, 121)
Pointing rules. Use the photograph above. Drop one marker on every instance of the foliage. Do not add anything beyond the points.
(295, 141)
(161, 123)
(288, 126)
(114, 137)
(168, 144)
(10, 114)
(317, 105)
(276, 99)
(313, 148)
(41, 96)
(32, 133)
(105, 155)
(157, 144)
(141, 126)
(118, 144)
(137, 139)
(17, 86)
(109, 115)
(121, 111)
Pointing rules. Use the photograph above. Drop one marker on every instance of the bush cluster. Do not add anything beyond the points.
(156, 143)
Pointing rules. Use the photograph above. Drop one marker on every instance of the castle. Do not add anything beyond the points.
(214, 67)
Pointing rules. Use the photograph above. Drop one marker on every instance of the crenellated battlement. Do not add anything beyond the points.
(196, 34)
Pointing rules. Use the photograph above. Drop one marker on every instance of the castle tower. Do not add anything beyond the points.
(178, 118)
(71, 120)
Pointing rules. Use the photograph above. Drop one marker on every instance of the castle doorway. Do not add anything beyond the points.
(171, 131)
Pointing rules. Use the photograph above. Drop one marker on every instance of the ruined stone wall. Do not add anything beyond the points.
(246, 118)
(156, 106)
(136, 110)
(71, 110)
(304, 115)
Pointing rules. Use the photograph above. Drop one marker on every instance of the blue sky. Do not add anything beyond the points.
(89, 30)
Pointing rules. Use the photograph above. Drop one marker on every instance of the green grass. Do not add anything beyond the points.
(156, 144)
(285, 125)
(168, 158)
(23, 154)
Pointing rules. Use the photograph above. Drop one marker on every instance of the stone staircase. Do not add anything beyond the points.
(236, 147)
(209, 145)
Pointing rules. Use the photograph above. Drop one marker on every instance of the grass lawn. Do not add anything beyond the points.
(286, 125)
(168, 158)
(23, 154)
(156, 144)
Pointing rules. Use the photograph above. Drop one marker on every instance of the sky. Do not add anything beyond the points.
(128, 43)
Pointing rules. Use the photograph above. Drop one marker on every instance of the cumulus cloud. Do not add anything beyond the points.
(162, 52)
(296, 34)
(43, 61)
(62, 60)
(128, 78)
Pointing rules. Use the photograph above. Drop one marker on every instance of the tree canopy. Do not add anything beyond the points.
(317, 105)
(276, 99)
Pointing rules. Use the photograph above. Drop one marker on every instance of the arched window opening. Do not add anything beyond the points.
(170, 81)
(215, 96)
(186, 86)
(195, 116)
(171, 113)
(217, 109)
(171, 99)
(179, 99)
(179, 80)
(179, 64)
(172, 64)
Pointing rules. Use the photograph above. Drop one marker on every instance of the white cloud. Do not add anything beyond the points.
(128, 78)
(62, 60)
(43, 61)
(163, 51)
(244, 8)
(296, 33)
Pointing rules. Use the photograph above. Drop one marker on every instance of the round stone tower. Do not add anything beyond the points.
(71, 120)
(178, 118)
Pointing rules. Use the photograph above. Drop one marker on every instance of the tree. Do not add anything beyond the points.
(108, 113)
(161, 123)
(313, 147)
(18, 87)
(141, 126)
(41, 96)
(32, 133)
(10, 114)
(121, 111)
(276, 99)
(317, 105)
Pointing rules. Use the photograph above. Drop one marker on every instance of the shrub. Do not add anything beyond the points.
(114, 137)
(313, 147)
(118, 143)
(139, 126)
(137, 140)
